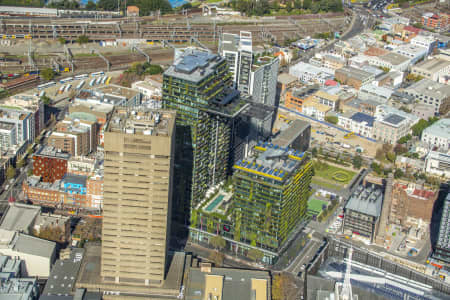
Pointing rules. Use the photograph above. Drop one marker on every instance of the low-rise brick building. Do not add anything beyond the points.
(50, 164)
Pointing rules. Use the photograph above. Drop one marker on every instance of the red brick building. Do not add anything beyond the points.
(50, 164)
(411, 202)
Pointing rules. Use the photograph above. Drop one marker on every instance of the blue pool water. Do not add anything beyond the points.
(215, 202)
(176, 3)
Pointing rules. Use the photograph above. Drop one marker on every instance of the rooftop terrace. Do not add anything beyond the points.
(273, 161)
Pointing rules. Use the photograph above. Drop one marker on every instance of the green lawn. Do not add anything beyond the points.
(315, 205)
(334, 175)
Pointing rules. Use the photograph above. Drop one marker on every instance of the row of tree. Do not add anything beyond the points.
(263, 7)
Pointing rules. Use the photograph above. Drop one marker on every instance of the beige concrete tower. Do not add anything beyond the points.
(139, 148)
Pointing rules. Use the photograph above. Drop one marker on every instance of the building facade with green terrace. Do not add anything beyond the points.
(270, 195)
(197, 87)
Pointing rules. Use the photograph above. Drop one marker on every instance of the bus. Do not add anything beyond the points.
(104, 79)
(68, 88)
(68, 79)
(108, 80)
(41, 94)
(97, 74)
(61, 89)
(99, 79)
(80, 85)
(46, 85)
(82, 76)
(92, 82)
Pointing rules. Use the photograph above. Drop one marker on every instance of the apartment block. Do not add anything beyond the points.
(30, 103)
(8, 136)
(50, 164)
(438, 135)
(437, 164)
(435, 21)
(390, 128)
(23, 121)
(270, 195)
(77, 137)
(252, 76)
(197, 87)
(138, 173)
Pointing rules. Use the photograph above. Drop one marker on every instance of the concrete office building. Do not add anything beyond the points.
(432, 69)
(431, 92)
(438, 164)
(139, 150)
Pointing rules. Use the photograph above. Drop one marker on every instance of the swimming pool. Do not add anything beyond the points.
(214, 203)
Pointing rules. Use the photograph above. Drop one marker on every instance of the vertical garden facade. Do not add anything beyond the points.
(270, 195)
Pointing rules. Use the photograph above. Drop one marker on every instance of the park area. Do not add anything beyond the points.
(332, 177)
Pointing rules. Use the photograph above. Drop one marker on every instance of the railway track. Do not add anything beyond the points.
(279, 29)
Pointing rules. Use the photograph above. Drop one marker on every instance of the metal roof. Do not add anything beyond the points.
(366, 200)
(34, 246)
(77, 179)
(19, 217)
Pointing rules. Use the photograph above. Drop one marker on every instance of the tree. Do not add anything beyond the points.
(46, 100)
(289, 6)
(61, 40)
(297, 4)
(255, 254)
(314, 152)
(48, 74)
(154, 69)
(217, 242)
(398, 173)
(91, 5)
(332, 119)
(390, 156)
(307, 4)
(357, 161)
(280, 286)
(10, 172)
(83, 39)
(376, 168)
(404, 139)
